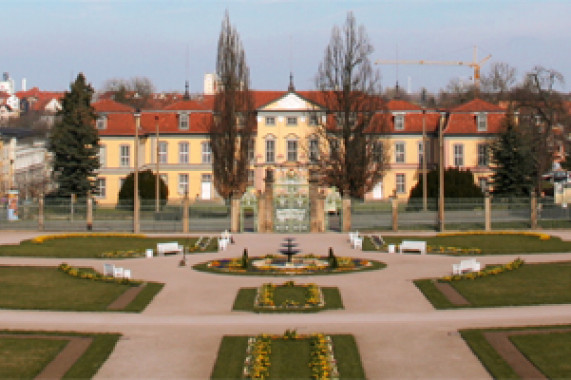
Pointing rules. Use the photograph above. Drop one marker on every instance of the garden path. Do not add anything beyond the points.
(398, 332)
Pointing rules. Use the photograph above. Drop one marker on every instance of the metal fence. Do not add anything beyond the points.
(459, 214)
(63, 215)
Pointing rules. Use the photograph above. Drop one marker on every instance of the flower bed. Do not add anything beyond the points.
(265, 297)
(90, 274)
(43, 238)
(541, 236)
(488, 271)
(322, 362)
(234, 266)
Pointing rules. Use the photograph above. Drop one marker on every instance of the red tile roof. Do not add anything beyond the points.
(477, 105)
(108, 105)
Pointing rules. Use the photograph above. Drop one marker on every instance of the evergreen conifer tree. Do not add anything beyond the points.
(74, 141)
(513, 162)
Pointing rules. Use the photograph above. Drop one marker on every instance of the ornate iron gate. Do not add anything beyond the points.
(291, 204)
(249, 211)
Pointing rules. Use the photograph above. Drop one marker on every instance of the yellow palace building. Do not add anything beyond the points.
(174, 141)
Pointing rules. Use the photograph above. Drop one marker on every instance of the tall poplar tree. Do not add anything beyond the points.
(234, 117)
(74, 141)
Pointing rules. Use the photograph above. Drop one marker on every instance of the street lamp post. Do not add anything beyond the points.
(136, 173)
(441, 174)
(424, 184)
(157, 179)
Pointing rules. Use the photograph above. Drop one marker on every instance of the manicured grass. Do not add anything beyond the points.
(90, 247)
(531, 284)
(289, 359)
(27, 357)
(549, 352)
(145, 297)
(245, 301)
(490, 244)
(59, 291)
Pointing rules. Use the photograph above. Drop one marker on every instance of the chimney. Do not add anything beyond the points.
(24, 84)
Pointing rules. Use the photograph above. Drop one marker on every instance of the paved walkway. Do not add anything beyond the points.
(399, 334)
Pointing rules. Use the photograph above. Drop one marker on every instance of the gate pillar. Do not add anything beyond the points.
(317, 204)
(346, 205)
(234, 213)
(267, 210)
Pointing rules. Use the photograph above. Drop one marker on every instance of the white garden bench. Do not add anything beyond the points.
(413, 245)
(353, 236)
(110, 270)
(466, 266)
(223, 243)
(170, 247)
(358, 243)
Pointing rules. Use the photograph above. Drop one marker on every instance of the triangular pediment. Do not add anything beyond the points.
(290, 102)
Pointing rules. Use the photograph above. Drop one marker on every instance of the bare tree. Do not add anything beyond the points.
(136, 91)
(234, 116)
(354, 160)
(499, 82)
(543, 115)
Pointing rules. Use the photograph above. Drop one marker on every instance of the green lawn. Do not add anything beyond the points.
(289, 359)
(531, 284)
(26, 358)
(20, 287)
(90, 247)
(245, 300)
(490, 244)
(549, 352)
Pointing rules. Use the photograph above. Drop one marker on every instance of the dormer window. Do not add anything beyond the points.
(101, 122)
(399, 121)
(183, 120)
(482, 120)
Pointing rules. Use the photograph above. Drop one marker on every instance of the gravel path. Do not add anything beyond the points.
(399, 334)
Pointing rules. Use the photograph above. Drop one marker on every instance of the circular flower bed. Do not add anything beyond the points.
(305, 265)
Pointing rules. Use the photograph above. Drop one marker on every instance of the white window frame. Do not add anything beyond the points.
(270, 121)
(313, 149)
(420, 152)
(102, 155)
(399, 121)
(125, 156)
(183, 183)
(101, 122)
(291, 121)
(292, 148)
(400, 152)
(458, 150)
(483, 156)
(101, 187)
(183, 152)
(482, 121)
(270, 150)
(163, 149)
(184, 121)
(400, 183)
(206, 152)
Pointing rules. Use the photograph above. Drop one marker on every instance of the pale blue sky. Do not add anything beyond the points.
(49, 41)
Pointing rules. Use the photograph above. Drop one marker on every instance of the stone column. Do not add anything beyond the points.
(487, 212)
(395, 212)
(41, 213)
(89, 212)
(346, 204)
(185, 213)
(533, 210)
(235, 213)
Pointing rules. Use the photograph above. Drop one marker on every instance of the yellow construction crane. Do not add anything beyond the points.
(474, 64)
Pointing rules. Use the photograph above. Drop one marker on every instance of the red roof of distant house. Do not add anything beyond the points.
(478, 105)
(108, 105)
